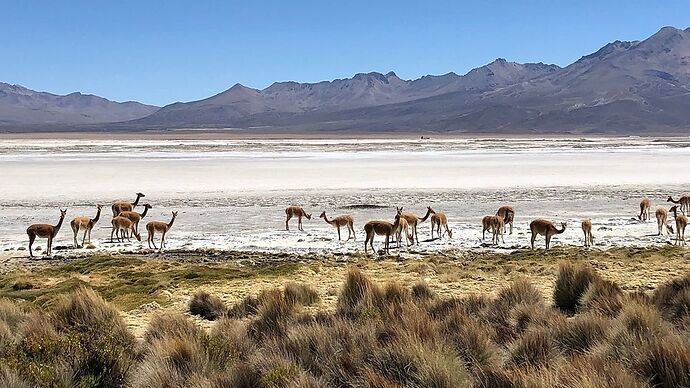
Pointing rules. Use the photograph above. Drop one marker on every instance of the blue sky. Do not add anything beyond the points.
(159, 52)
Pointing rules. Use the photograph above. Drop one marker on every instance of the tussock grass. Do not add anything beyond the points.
(207, 306)
(422, 292)
(594, 334)
(300, 293)
(170, 325)
(602, 297)
(571, 284)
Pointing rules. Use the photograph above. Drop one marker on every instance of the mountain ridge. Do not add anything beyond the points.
(20, 105)
(625, 87)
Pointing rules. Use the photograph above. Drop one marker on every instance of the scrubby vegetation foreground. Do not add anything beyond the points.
(591, 335)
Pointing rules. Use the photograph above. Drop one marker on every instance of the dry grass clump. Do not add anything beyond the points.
(245, 307)
(359, 298)
(207, 306)
(82, 341)
(381, 335)
(170, 325)
(293, 294)
(602, 297)
(673, 300)
(421, 292)
(300, 293)
(273, 315)
(571, 284)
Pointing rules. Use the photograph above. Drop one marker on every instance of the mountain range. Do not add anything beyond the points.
(21, 106)
(631, 87)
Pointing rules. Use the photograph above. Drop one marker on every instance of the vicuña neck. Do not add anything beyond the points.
(59, 224)
(146, 210)
(98, 215)
(428, 213)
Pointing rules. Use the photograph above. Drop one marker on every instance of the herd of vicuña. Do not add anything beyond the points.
(125, 224)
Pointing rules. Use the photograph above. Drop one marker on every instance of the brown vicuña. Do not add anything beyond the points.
(413, 220)
(587, 230)
(382, 228)
(496, 224)
(342, 220)
(86, 224)
(684, 202)
(438, 221)
(662, 221)
(403, 227)
(545, 228)
(508, 215)
(296, 211)
(159, 226)
(645, 209)
(123, 228)
(45, 231)
(136, 217)
(681, 223)
(124, 206)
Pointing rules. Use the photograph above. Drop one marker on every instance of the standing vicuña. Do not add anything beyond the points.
(413, 220)
(496, 224)
(681, 223)
(159, 226)
(124, 206)
(587, 230)
(85, 223)
(662, 221)
(645, 206)
(439, 220)
(296, 211)
(382, 228)
(45, 231)
(545, 228)
(403, 227)
(136, 217)
(123, 228)
(508, 215)
(684, 202)
(342, 220)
